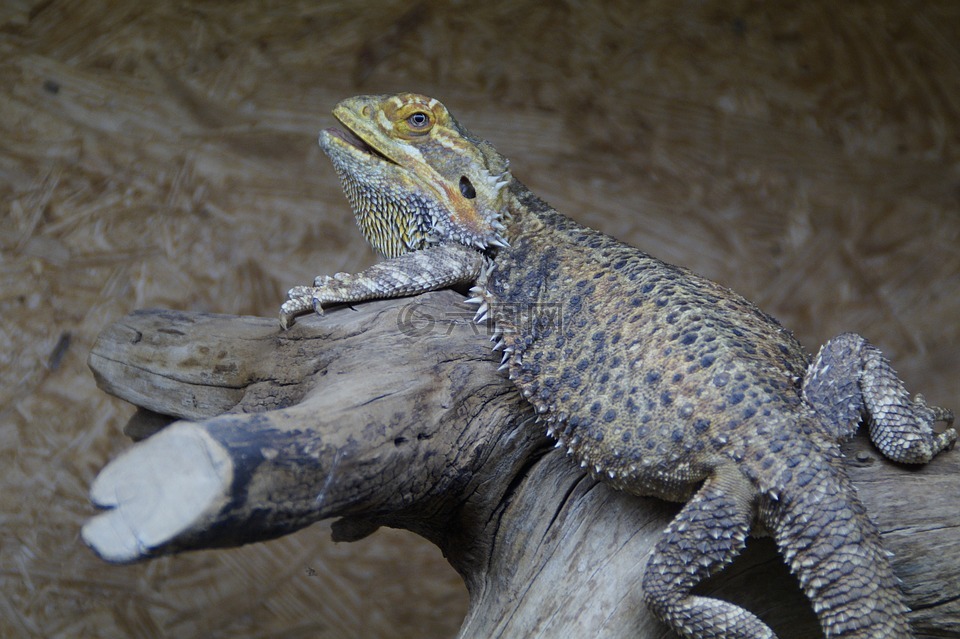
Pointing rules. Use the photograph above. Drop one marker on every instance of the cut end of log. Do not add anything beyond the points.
(156, 492)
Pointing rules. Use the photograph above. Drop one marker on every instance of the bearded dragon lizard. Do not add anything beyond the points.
(658, 381)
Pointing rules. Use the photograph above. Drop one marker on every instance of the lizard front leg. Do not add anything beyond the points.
(851, 378)
(430, 269)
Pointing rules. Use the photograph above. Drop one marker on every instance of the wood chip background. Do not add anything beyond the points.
(162, 154)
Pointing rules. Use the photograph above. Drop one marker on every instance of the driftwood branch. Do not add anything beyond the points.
(393, 414)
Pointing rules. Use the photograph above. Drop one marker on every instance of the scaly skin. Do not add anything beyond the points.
(657, 381)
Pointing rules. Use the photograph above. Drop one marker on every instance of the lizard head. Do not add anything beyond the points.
(414, 176)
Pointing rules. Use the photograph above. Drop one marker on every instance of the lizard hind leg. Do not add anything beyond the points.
(850, 377)
(707, 534)
(831, 545)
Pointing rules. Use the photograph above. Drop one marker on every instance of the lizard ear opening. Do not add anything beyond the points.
(466, 188)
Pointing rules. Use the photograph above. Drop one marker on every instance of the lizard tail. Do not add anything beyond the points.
(830, 543)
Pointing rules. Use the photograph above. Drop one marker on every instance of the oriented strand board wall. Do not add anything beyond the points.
(163, 154)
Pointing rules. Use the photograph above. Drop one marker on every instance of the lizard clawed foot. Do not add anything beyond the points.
(302, 299)
(944, 415)
(941, 441)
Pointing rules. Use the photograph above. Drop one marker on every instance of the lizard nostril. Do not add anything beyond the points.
(467, 188)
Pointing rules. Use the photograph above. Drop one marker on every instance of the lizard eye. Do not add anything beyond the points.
(466, 188)
(418, 120)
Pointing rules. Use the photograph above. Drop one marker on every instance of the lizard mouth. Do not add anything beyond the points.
(352, 139)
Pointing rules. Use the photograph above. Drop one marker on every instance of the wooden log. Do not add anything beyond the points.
(392, 414)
